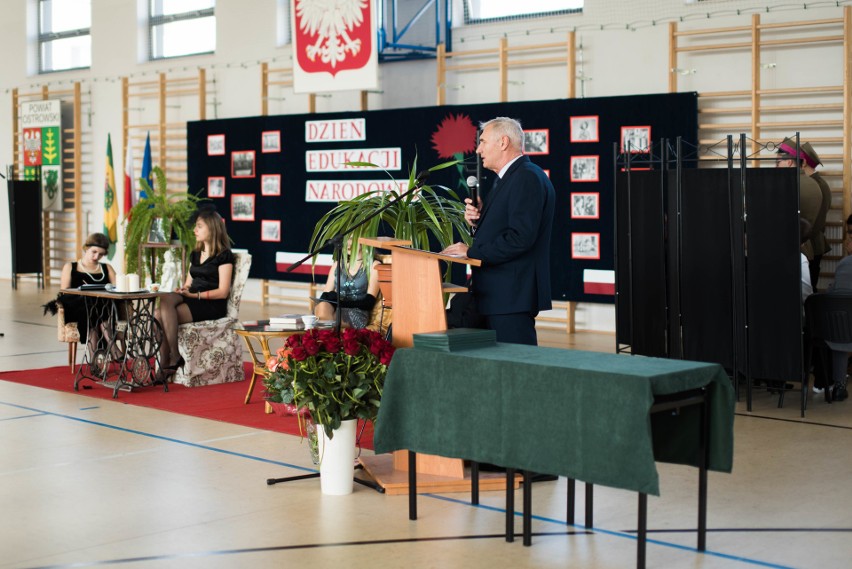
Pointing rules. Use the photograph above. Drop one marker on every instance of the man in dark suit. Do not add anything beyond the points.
(512, 236)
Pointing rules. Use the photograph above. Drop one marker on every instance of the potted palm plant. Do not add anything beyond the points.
(154, 219)
(428, 213)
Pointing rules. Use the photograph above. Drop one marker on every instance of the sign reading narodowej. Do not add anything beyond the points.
(334, 45)
(41, 125)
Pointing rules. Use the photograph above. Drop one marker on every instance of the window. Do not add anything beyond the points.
(64, 35)
(476, 11)
(181, 27)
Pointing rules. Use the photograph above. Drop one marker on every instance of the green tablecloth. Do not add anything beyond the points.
(584, 415)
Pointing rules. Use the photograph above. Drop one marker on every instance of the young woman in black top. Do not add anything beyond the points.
(88, 269)
(204, 295)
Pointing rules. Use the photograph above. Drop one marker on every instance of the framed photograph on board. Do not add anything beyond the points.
(584, 205)
(270, 141)
(635, 139)
(215, 145)
(584, 129)
(270, 230)
(584, 169)
(537, 141)
(270, 185)
(242, 164)
(242, 207)
(585, 245)
(216, 187)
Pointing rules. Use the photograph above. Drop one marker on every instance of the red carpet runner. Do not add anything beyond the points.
(223, 402)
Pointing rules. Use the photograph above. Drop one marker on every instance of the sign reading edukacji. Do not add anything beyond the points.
(41, 125)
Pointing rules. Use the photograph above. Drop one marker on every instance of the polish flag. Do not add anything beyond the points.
(284, 260)
(598, 282)
(129, 186)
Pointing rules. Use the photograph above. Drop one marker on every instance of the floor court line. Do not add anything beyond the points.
(614, 533)
(41, 412)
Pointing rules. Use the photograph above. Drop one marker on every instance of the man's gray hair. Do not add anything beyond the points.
(504, 126)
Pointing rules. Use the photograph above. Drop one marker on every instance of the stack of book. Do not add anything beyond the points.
(285, 320)
(455, 340)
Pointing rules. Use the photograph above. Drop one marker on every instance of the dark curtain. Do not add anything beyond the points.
(641, 231)
(706, 277)
(773, 264)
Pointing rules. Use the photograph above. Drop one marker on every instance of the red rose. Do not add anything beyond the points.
(332, 344)
(299, 353)
(294, 340)
(386, 356)
(375, 348)
(351, 347)
(325, 336)
(350, 335)
(311, 346)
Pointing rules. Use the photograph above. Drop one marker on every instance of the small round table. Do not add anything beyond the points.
(261, 332)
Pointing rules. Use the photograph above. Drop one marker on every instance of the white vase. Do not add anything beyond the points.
(337, 459)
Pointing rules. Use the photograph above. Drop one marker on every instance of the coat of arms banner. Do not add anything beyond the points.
(334, 46)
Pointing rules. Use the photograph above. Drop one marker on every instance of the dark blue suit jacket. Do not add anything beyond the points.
(513, 242)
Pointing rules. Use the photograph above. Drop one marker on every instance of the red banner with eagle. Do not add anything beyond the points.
(334, 45)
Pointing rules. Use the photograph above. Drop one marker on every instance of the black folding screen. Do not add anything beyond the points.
(692, 277)
(273, 177)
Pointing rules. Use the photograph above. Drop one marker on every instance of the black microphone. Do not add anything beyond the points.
(473, 184)
(421, 177)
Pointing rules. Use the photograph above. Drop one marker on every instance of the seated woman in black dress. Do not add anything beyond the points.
(204, 295)
(86, 270)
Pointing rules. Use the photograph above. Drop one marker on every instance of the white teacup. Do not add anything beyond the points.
(309, 320)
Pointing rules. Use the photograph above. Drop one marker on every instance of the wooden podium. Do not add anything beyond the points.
(419, 306)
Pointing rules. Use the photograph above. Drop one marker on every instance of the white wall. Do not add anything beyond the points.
(629, 55)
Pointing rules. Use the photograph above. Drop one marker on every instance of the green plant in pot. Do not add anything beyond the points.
(158, 210)
(434, 212)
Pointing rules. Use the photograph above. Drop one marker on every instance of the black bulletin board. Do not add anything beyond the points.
(232, 156)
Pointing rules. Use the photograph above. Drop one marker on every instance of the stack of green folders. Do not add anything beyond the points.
(455, 340)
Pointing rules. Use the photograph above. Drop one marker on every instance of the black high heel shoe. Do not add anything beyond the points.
(166, 372)
(164, 376)
(177, 365)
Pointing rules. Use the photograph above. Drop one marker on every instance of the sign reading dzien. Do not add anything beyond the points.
(342, 130)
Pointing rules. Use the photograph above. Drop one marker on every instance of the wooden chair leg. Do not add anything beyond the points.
(251, 387)
(72, 356)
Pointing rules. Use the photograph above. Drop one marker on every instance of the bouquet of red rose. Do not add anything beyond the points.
(334, 377)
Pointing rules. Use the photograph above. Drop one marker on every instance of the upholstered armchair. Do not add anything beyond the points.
(211, 349)
(68, 333)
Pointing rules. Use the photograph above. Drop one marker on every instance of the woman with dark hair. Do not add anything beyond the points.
(204, 295)
(88, 269)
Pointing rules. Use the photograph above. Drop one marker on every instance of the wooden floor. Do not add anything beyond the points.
(100, 483)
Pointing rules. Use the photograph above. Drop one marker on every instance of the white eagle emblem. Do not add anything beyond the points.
(331, 21)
